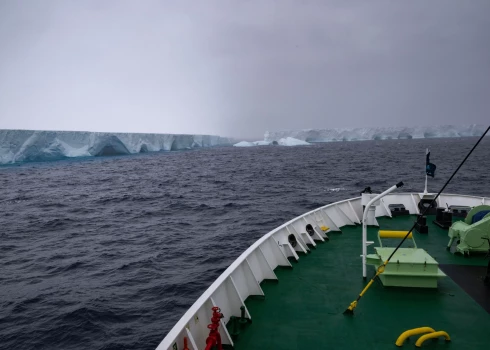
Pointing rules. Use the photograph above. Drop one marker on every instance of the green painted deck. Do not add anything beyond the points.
(304, 309)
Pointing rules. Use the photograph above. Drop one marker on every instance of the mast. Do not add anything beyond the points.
(426, 153)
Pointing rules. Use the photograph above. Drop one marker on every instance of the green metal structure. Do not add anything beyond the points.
(409, 267)
(471, 236)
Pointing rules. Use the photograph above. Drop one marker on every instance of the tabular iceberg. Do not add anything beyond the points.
(30, 145)
(382, 133)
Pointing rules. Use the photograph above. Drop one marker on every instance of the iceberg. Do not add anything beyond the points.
(31, 145)
(290, 141)
(251, 144)
(380, 133)
(287, 141)
(262, 143)
(244, 144)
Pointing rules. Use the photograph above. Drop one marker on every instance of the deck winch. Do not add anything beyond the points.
(471, 232)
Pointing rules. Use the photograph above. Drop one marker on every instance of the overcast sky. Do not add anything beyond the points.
(241, 67)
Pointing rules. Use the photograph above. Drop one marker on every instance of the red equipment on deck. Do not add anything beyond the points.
(214, 338)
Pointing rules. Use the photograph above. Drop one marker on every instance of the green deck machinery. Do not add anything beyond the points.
(472, 233)
(409, 267)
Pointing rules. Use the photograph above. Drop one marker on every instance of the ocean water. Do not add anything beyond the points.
(108, 253)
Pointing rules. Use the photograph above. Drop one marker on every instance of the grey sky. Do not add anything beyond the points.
(240, 67)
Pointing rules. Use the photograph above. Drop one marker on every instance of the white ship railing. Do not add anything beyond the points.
(243, 277)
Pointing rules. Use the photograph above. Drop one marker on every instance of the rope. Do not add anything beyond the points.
(352, 306)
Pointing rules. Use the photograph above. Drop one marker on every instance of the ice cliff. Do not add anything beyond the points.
(382, 133)
(29, 145)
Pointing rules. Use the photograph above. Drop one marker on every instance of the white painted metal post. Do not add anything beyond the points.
(364, 225)
(426, 152)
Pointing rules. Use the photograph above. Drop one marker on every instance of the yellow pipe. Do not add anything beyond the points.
(393, 234)
(352, 306)
(401, 339)
(430, 336)
(325, 228)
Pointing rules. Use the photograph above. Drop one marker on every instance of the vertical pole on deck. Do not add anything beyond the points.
(364, 244)
(426, 152)
(364, 225)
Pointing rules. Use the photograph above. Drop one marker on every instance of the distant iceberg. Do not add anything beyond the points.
(381, 133)
(287, 141)
(252, 143)
(29, 145)
(291, 141)
(262, 143)
(244, 144)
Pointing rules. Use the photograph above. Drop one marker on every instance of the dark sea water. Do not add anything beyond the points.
(108, 253)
